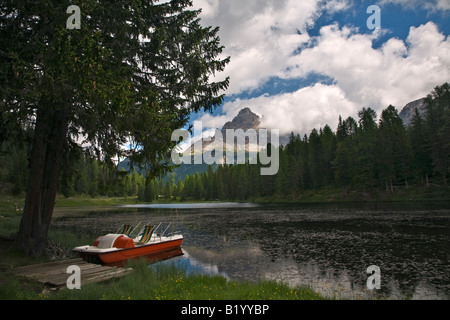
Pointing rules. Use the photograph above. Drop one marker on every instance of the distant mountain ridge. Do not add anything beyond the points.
(244, 120)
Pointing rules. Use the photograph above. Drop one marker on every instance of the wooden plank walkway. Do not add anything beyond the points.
(54, 274)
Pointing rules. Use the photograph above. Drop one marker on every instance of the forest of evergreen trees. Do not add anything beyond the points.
(364, 154)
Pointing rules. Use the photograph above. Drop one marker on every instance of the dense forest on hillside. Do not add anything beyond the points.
(365, 154)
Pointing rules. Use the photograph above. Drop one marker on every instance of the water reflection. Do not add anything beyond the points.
(330, 250)
(325, 247)
(192, 266)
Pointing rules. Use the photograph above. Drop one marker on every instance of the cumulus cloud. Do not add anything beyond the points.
(443, 5)
(299, 111)
(268, 39)
(261, 35)
(396, 73)
(434, 5)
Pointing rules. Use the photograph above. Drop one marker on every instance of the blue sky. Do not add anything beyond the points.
(299, 64)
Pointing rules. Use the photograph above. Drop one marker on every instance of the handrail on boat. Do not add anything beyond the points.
(165, 230)
(157, 227)
(132, 233)
(143, 228)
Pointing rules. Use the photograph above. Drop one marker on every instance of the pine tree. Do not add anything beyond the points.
(282, 179)
(394, 151)
(292, 153)
(328, 142)
(437, 117)
(345, 160)
(366, 136)
(316, 162)
(103, 81)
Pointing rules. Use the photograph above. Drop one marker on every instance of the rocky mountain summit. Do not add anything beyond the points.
(245, 120)
(409, 111)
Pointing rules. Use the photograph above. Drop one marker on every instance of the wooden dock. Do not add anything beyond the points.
(54, 274)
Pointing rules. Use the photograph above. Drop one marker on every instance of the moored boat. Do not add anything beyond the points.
(117, 248)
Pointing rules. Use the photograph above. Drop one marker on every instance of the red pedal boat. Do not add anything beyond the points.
(116, 248)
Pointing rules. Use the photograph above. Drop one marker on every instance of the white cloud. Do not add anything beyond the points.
(299, 111)
(397, 73)
(215, 122)
(433, 5)
(394, 74)
(209, 8)
(262, 36)
(443, 4)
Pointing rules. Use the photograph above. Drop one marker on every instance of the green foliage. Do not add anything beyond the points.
(385, 156)
(362, 155)
(129, 76)
(438, 129)
(93, 178)
(168, 282)
(113, 87)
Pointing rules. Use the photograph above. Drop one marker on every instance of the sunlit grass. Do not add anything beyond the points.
(168, 282)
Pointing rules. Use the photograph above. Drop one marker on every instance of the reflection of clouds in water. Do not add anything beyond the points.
(245, 263)
(326, 249)
(251, 264)
(329, 283)
(191, 265)
(196, 266)
(340, 284)
(424, 291)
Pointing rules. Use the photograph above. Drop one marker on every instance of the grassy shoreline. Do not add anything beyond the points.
(167, 282)
(162, 283)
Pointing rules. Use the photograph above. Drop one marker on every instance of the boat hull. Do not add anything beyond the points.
(120, 256)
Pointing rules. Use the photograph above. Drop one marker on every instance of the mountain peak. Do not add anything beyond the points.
(245, 111)
(409, 111)
(245, 120)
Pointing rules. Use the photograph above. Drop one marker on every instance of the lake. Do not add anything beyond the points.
(325, 246)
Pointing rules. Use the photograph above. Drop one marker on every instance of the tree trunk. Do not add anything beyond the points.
(44, 167)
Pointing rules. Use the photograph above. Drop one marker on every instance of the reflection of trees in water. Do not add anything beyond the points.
(408, 249)
(407, 258)
(411, 248)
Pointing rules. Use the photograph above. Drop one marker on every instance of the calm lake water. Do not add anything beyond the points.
(327, 247)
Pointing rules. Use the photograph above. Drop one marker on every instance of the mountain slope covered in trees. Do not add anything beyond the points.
(363, 156)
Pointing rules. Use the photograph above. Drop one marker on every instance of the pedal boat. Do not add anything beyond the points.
(116, 248)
